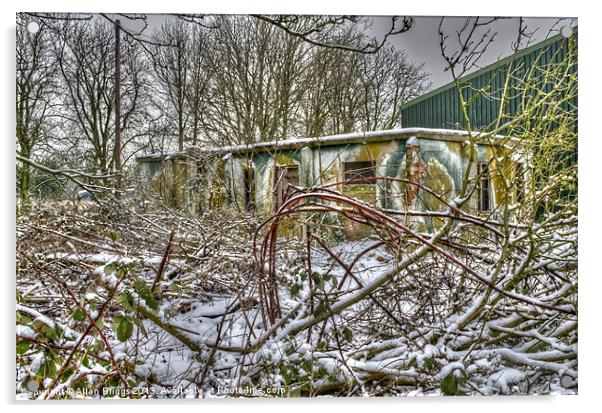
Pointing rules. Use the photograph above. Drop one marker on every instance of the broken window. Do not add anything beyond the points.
(284, 177)
(483, 187)
(359, 170)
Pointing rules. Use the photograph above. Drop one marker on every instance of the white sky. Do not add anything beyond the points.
(421, 42)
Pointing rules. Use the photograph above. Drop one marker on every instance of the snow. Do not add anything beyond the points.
(427, 133)
(424, 357)
(36, 364)
(505, 378)
(37, 315)
(25, 332)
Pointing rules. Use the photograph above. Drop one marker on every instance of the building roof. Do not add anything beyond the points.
(347, 138)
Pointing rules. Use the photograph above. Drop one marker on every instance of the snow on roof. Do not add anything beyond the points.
(356, 137)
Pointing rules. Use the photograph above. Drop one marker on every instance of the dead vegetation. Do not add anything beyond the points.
(148, 301)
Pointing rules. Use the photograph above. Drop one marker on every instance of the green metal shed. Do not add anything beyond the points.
(441, 108)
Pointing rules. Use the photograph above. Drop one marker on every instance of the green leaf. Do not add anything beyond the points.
(49, 333)
(78, 315)
(23, 346)
(322, 372)
(304, 275)
(322, 309)
(127, 301)
(124, 329)
(347, 333)
(109, 269)
(449, 385)
(23, 319)
(112, 234)
(140, 285)
(295, 288)
(149, 300)
(318, 280)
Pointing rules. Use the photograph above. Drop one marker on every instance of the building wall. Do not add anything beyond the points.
(441, 107)
(441, 166)
(167, 180)
(212, 181)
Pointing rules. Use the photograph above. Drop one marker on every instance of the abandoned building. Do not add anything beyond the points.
(255, 178)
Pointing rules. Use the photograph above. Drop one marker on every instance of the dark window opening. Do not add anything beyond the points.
(284, 177)
(249, 176)
(359, 170)
(483, 187)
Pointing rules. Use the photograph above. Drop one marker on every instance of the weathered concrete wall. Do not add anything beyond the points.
(168, 180)
(438, 164)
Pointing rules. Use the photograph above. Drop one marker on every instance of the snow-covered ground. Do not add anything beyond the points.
(205, 335)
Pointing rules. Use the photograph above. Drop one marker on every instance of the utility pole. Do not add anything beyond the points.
(117, 150)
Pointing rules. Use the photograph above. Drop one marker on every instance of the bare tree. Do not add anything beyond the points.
(85, 56)
(388, 80)
(324, 31)
(348, 92)
(36, 82)
(171, 65)
(256, 70)
(199, 82)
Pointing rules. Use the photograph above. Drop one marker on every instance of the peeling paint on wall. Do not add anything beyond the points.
(437, 163)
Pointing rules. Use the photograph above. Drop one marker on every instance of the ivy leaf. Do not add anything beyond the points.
(295, 288)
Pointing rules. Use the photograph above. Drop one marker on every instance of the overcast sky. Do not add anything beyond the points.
(421, 42)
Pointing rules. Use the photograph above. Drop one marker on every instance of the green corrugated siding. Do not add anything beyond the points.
(442, 109)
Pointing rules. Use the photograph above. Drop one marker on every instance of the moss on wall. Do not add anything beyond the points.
(436, 164)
